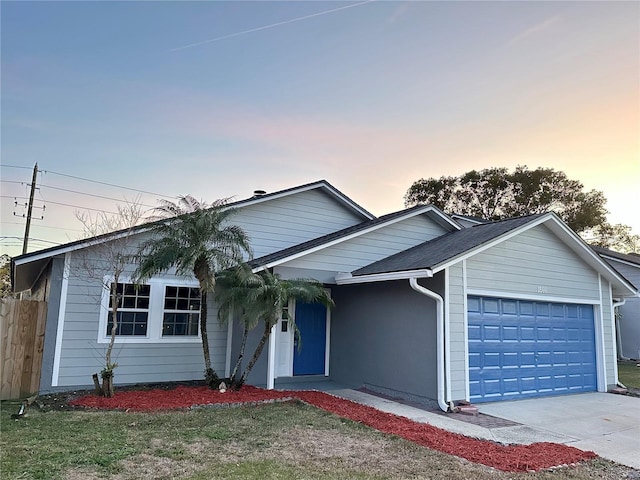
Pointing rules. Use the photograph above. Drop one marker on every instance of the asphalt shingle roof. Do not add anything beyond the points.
(627, 257)
(316, 242)
(434, 252)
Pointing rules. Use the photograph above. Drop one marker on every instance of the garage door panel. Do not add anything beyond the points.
(521, 349)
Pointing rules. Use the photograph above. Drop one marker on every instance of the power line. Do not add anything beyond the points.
(82, 208)
(87, 180)
(68, 205)
(34, 239)
(45, 226)
(15, 166)
(89, 194)
(108, 184)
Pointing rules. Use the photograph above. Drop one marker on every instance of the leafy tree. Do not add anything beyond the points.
(614, 237)
(106, 262)
(5, 276)
(496, 194)
(196, 239)
(255, 297)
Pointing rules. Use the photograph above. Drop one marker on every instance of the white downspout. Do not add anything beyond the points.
(443, 360)
(618, 336)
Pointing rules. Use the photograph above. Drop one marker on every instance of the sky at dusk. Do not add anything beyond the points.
(217, 99)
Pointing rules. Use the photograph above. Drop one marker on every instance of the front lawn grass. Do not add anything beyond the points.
(275, 441)
(629, 373)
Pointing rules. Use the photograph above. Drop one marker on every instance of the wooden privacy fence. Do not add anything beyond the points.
(22, 324)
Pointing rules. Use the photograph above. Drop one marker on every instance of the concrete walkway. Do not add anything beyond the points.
(605, 423)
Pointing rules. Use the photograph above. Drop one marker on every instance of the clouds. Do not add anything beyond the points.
(535, 30)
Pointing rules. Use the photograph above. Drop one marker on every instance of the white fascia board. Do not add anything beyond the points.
(317, 248)
(74, 246)
(348, 279)
(325, 186)
(559, 228)
(619, 260)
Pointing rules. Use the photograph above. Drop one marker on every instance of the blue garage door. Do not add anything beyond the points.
(522, 349)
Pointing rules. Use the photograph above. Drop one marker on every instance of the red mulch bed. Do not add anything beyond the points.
(509, 458)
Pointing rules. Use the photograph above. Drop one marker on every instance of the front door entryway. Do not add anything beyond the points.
(311, 320)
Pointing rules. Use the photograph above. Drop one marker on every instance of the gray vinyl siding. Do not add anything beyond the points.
(534, 262)
(372, 246)
(142, 361)
(457, 333)
(609, 334)
(283, 222)
(383, 337)
(629, 321)
(271, 225)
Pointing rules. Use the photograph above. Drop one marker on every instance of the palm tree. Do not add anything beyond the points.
(196, 239)
(254, 297)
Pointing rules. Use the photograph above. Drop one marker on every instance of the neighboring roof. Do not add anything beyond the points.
(469, 218)
(633, 258)
(434, 252)
(43, 256)
(268, 261)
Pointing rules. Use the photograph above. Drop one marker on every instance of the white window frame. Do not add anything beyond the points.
(155, 315)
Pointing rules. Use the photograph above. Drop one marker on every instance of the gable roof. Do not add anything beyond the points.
(339, 236)
(40, 258)
(434, 252)
(439, 253)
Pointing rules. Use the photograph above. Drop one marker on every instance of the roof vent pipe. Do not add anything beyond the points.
(259, 193)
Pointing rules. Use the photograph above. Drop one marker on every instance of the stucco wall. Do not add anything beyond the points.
(383, 337)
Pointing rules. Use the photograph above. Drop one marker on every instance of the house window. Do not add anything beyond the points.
(133, 310)
(181, 311)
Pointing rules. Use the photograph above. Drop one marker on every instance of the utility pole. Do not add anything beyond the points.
(30, 209)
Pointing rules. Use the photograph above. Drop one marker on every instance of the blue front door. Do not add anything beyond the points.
(311, 320)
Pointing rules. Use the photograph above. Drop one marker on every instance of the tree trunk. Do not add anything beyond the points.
(209, 373)
(232, 378)
(96, 384)
(107, 384)
(256, 354)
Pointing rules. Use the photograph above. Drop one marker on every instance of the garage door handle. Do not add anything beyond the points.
(535, 358)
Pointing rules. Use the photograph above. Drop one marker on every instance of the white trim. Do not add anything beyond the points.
(227, 363)
(271, 358)
(327, 340)
(613, 342)
(530, 296)
(465, 321)
(155, 313)
(601, 352)
(378, 226)
(322, 184)
(556, 226)
(347, 278)
(312, 186)
(619, 260)
(61, 314)
(447, 336)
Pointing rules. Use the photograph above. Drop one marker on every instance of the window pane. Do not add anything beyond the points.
(183, 304)
(143, 303)
(129, 302)
(171, 292)
(129, 289)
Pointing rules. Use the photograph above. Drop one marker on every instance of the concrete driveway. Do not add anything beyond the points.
(605, 423)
